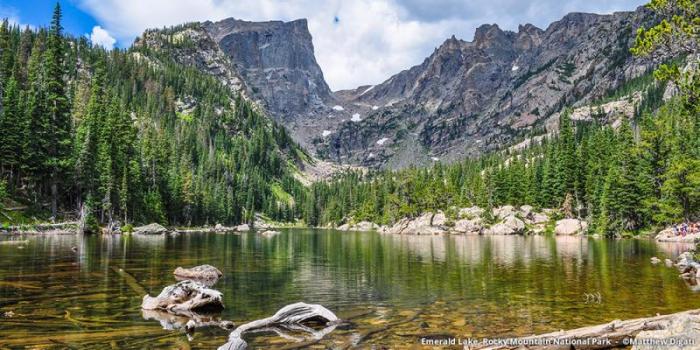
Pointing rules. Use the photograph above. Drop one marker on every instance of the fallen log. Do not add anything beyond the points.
(292, 316)
(611, 335)
(130, 281)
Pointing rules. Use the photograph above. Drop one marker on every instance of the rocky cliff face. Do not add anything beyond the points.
(471, 97)
(271, 63)
(464, 99)
(276, 59)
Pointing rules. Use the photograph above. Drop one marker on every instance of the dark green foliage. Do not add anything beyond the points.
(139, 138)
(613, 179)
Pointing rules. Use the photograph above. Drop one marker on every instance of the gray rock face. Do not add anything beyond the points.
(270, 63)
(466, 98)
(471, 97)
(276, 59)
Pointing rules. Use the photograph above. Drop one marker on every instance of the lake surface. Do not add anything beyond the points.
(395, 289)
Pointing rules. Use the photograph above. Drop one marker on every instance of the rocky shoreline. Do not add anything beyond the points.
(505, 220)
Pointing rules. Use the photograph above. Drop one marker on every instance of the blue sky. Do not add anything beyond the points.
(38, 13)
(357, 42)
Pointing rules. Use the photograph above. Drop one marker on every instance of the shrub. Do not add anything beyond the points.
(128, 228)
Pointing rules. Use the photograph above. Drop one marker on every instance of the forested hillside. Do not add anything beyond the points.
(637, 174)
(644, 173)
(133, 137)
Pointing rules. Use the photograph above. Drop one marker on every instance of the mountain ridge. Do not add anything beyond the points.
(466, 98)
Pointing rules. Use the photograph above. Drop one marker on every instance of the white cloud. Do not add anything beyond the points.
(102, 38)
(372, 40)
(12, 16)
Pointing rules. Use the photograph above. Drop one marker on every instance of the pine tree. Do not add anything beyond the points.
(11, 132)
(59, 135)
(36, 120)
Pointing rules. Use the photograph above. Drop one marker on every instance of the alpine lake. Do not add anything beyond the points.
(66, 291)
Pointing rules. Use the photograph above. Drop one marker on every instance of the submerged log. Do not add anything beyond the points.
(130, 281)
(292, 316)
(184, 296)
(606, 336)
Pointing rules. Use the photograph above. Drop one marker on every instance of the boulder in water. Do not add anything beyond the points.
(243, 228)
(509, 226)
(151, 229)
(198, 273)
(504, 211)
(570, 227)
(464, 226)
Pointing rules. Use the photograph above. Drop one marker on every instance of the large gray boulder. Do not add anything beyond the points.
(539, 218)
(504, 211)
(464, 226)
(242, 228)
(509, 226)
(570, 227)
(426, 224)
(470, 213)
(667, 235)
(151, 229)
(364, 226)
(200, 273)
(526, 210)
(681, 332)
(514, 223)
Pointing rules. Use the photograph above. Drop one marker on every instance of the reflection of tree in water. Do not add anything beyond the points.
(461, 285)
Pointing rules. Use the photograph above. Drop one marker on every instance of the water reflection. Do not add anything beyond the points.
(463, 285)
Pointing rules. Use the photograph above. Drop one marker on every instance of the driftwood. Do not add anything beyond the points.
(291, 317)
(606, 336)
(184, 296)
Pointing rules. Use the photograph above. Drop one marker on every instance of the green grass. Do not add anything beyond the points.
(281, 195)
